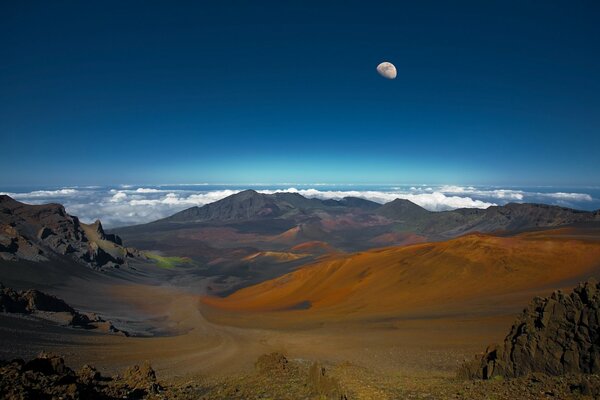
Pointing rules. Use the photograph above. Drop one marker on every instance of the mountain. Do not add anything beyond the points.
(512, 217)
(249, 205)
(39, 232)
(404, 210)
(241, 206)
(222, 234)
(521, 216)
(440, 278)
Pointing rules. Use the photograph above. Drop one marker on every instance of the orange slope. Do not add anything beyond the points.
(422, 279)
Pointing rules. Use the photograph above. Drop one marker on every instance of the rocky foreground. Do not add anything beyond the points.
(47, 377)
(556, 335)
(275, 377)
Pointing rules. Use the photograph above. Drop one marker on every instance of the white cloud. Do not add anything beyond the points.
(118, 206)
(435, 201)
(494, 193)
(567, 196)
(44, 193)
(148, 190)
(118, 197)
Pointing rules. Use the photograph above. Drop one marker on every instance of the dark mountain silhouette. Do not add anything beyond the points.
(241, 206)
(403, 210)
(250, 205)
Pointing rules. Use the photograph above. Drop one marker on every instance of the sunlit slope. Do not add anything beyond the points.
(422, 279)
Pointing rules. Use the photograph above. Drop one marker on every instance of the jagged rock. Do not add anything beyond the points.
(40, 301)
(11, 301)
(44, 233)
(33, 302)
(48, 377)
(36, 232)
(95, 255)
(556, 335)
(48, 364)
(88, 374)
(141, 378)
(14, 246)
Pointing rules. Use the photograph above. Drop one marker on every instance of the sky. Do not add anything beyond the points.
(146, 92)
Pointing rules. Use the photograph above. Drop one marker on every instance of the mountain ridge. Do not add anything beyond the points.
(39, 232)
(249, 204)
(426, 279)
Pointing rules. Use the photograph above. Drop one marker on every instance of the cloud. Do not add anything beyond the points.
(568, 196)
(494, 193)
(44, 194)
(118, 197)
(434, 201)
(119, 205)
(148, 190)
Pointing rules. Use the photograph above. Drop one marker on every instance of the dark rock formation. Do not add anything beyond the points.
(48, 377)
(556, 335)
(39, 232)
(30, 301)
(141, 378)
(39, 303)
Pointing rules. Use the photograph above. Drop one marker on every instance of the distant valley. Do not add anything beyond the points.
(255, 236)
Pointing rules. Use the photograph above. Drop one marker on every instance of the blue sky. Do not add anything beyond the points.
(493, 93)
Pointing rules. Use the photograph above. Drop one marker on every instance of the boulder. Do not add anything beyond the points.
(556, 335)
(141, 378)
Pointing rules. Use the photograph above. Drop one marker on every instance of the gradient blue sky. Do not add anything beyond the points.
(494, 92)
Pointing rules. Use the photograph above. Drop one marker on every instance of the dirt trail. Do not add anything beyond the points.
(199, 347)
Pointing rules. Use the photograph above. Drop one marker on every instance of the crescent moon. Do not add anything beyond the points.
(387, 70)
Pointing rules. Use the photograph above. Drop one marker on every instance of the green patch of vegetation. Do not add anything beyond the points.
(168, 262)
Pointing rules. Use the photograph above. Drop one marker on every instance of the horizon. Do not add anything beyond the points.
(126, 204)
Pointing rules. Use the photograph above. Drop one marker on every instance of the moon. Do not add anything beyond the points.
(387, 70)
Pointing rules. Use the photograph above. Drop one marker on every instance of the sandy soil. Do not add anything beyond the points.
(187, 341)
(196, 346)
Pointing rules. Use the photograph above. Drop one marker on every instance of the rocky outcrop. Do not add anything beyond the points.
(316, 380)
(50, 307)
(141, 378)
(40, 232)
(556, 335)
(30, 301)
(48, 377)
(14, 246)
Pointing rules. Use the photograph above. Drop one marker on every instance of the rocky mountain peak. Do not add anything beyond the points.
(39, 232)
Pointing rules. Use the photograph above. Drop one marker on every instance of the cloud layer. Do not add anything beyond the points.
(129, 205)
